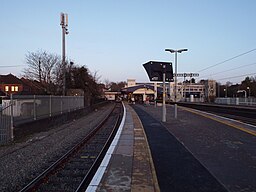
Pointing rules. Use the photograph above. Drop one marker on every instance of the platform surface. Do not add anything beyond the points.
(196, 152)
(131, 167)
(205, 151)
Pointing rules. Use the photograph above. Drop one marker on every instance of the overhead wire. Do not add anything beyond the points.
(6, 66)
(232, 69)
(232, 77)
(228, 59)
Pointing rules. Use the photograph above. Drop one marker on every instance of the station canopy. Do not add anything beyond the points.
(136, 87)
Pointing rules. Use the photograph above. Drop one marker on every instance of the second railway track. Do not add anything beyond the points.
(243, 114)
(74, 170)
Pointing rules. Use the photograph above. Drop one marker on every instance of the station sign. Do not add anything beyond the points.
(155, 70)
(187, 74)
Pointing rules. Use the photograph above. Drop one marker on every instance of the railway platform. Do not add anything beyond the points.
(196, 152)
(200, 151)
(128, 165)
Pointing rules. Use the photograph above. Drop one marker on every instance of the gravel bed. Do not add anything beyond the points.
(23, 161)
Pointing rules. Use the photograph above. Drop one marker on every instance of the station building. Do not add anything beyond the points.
(203, 91)
(141, 92)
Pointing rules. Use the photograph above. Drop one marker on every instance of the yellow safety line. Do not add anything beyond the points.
(156, 185)
(220, 121)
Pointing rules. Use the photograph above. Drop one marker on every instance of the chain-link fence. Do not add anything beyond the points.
(21, 109)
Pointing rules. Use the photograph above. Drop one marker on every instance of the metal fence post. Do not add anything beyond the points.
(69, 104)
(50, 110)
(34, 107)
(12, 137)
(61, 105)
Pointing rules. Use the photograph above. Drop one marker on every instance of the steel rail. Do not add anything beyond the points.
(35, 183)
(88, 177)
(243, 114)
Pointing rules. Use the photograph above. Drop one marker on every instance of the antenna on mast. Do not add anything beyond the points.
(66, 21)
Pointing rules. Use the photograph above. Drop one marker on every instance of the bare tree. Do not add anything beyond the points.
(34, 62)
(40, 66)
(47, 68)
(51, 61)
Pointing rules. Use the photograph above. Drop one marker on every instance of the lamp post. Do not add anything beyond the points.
(249, 95)
(144, 96)
(164, 93)
(175, 80)
(249, 92)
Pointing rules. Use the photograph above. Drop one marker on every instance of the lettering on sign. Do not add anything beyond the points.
(187, 74)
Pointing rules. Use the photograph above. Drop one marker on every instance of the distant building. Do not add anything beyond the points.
(112, 95)
(131, 82)
(210, 89)
(10, 84)
(203, 91)
(32, 87)
(141, 92)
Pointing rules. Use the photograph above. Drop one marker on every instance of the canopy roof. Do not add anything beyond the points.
(136, 87)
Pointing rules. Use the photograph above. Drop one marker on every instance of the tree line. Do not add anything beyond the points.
(248, 85)
(47, 69)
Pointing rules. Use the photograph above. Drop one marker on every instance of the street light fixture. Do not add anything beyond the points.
(175, 80)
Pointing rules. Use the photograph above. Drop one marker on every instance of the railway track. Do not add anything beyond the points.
(75, 169)
(243, 114)
(251, 121)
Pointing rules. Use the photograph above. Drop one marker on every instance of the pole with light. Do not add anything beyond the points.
(249, 92)
(175, 80)
(164, 93)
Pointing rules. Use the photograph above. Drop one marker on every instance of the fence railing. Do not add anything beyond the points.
(6, 124)
(20, 109)
(236, 101)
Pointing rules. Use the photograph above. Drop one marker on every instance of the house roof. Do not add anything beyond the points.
(10, 79)
(32, 83)
(29, 86)
(32, 87)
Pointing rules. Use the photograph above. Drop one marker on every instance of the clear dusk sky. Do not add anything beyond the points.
(115, 37)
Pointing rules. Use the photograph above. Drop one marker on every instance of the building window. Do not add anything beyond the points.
(6, 88)
(16, 88)
(12, 88)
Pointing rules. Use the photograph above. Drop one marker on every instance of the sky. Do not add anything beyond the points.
(115, 37)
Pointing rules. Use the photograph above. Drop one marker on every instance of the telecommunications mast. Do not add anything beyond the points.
(64, 26)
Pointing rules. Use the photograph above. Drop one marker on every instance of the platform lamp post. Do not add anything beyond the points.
(249, 95)
(175, 80)
(226, 92)
(249, 92)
